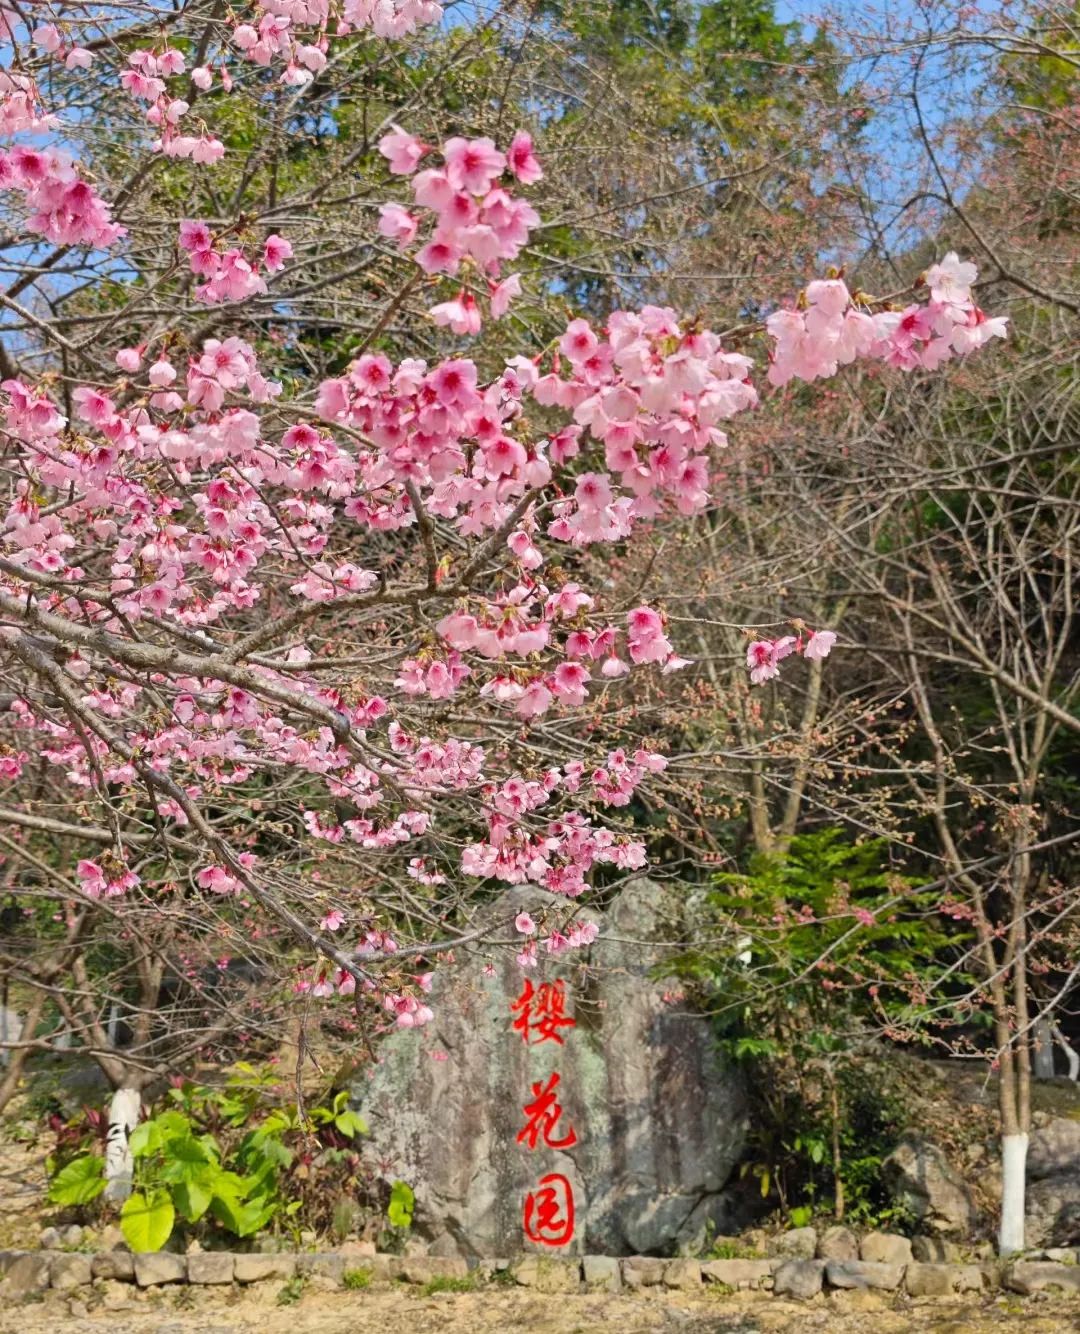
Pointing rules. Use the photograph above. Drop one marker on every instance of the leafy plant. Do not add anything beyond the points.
(147, 1219)
(225, 1157)
(446, 1283)
(79, 1181)
(292, 1290)
(400, 1209)
(356, 1280)
(824, 945)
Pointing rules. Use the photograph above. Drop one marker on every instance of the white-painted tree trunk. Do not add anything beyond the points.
(119, 1164)
(1070, 1054)
(1013, 1171)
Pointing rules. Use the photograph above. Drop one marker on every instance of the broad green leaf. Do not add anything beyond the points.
(192, 1199)
(81, 1181)
(242, 1219)
(400, 1209)
(145, 1139)
(187, 1158)
(146, 1220)
(173, 1123)
(351, 1124)
(230, 1187)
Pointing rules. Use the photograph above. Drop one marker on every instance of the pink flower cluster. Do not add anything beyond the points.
(231, 275)
(99, 883)
(390, 18)
(577, 936)
(833, 330)
(275, 35)
(63, 207)
(20, 108)
(764, 656)
(145, 81)
(653, 394)
(48, 37)
(477, 222)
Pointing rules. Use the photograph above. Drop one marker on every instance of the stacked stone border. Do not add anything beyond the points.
(23, 1273)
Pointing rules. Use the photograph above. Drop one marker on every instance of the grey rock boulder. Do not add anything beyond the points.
(24, 1273)
(1052, 1207)
(601, 1273)
(921, 1181)
(838, 1243)
(863, 1274)
(152, 1268)
(800, 1243)
(659, 1119)
(1054, 1150)
(643, 1271)
(940, 1280)
(738, 1274)
(70, 1271)
(546, 1275)
(683, 1274)
(211, 1267)
(801, 1279)
(934, 1250)
(1029, 1276)
(118, 1266)
(885, 1248)
(255, 1268)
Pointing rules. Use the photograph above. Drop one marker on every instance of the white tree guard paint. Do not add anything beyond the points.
(1013, 1168)
(1070, 1054)
(119, 1164)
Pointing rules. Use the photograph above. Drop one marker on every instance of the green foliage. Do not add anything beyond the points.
(442, 1283)
(834, 934)
(732, 1250)
(356, 1280)
(223, 1157)
(147, 1219)
(400, 1209)
(292, 1290)
(823, 946)
(80, 1181)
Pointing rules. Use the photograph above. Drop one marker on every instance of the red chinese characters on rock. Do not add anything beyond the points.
(539, 1015)
(544, 1113)
(549, 1211)
(541, 1011)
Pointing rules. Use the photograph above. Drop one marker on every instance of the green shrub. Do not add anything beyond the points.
(442, 1283)
(223, 1155)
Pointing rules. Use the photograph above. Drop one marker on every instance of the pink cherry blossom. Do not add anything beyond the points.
(819, 645)
(521, 159)
(472, 164)
(402, 151)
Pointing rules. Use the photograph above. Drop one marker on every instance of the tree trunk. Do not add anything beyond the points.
(17, 1057)
(1070, 1054)
(119, 1164)
(1013, 1171)
(1042, 1052)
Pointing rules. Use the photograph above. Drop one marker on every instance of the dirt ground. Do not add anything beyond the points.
(494, 1310)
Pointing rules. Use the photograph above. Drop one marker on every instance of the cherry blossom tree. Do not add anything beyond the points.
(301, 650)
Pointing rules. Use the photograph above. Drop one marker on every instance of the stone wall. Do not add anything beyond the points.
(26, 1273)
